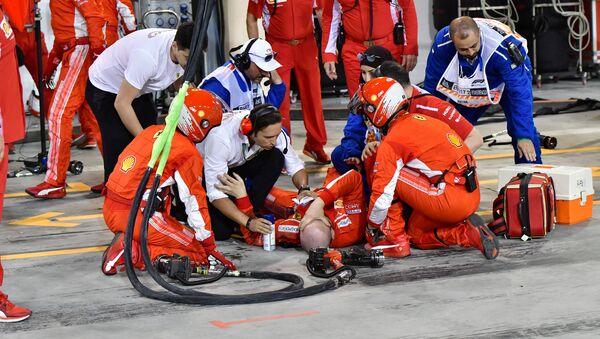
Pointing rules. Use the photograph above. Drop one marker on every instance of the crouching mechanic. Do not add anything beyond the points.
(425, 165)
(361, 138)
(182, 177)
(253, 145)
(333, 216)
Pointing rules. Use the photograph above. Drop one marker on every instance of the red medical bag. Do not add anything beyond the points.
(525, 207)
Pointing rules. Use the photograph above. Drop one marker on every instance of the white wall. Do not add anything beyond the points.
(26, 79)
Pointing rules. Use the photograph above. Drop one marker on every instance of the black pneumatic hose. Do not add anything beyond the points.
(216, 299)
(190, 296)
(208, 299)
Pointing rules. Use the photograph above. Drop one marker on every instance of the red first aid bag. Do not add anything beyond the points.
(525, 207)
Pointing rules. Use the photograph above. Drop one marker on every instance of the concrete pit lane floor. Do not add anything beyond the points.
(51, 252)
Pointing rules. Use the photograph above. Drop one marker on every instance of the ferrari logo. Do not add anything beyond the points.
(419, 117)
(454, 140)
(127, 164)
(157, 134)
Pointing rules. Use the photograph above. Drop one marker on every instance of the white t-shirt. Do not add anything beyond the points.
(142, 58)
(226, 147)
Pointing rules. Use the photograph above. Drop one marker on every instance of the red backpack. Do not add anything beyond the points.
(525, 207)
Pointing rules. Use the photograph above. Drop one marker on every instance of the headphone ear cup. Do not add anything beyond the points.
(246, 61)
(246, 126)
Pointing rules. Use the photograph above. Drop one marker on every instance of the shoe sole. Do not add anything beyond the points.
(87, 146)
(14, 319)
(79, 140)
(46, 197)
(489, 241)
(104, 254)
(312, 156)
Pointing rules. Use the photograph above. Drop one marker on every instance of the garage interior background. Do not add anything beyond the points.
(234, 28)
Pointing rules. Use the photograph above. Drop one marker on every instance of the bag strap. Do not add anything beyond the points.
(524, 204)
(552, 203)
(498, 224)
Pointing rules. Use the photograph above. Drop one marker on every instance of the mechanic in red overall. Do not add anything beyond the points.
(118, 12)
(289, 29)
(426, 104)
(78, 28)
(183, 172)
(21, 16)
(12, 128)
(115, 11)
(388, 23)
(331, 216)
(434, 175)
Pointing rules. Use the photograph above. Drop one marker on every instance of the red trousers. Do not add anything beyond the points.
(3, 173)
(89, 125)
(68, 98)
(432, 210)
(165, 234)
(303, 59)
(350, 52)
(3, 170)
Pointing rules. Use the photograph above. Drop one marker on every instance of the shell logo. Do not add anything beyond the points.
(419, 117)
(127, 164)
(454, 140)
(6, 28)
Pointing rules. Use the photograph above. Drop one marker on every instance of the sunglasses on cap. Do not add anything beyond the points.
(368, 57)
(267, 57)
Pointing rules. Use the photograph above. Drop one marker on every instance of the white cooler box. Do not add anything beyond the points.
(573, 186)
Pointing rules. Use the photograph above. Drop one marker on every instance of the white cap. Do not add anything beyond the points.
(261, 53)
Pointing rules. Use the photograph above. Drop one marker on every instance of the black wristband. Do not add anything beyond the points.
(248, 223)
(303, 188)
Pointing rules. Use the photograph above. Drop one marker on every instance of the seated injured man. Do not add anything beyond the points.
(424, 168)
(332, 216)
(181, 181)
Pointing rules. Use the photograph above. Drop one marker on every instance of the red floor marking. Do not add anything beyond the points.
(221, 324)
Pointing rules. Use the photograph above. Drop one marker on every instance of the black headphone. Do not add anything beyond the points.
(248, 123)
(242, 60)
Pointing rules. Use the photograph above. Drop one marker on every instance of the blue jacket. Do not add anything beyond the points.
(352, 143)
(274, 97)
(517, 99)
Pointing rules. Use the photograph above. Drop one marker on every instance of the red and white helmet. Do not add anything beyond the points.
(381, 99)
(201, 112)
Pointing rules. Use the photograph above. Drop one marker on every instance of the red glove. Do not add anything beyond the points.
(220, 257)
(54, 59)
(96, 51)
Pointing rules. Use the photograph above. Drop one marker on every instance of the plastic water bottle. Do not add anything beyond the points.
(269, 239)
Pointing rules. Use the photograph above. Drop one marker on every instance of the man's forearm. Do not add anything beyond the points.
(474, 140)
(230, 210)
(252, 26)
(275, 78)
(300, 178)
(128, 117)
